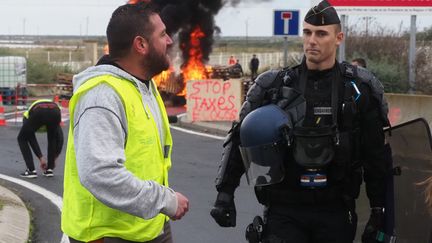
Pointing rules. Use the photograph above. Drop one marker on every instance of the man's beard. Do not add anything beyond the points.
(155, 62)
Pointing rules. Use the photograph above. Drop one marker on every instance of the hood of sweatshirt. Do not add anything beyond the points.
(99, 70)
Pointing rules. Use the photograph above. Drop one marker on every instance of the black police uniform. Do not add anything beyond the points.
(295, 213)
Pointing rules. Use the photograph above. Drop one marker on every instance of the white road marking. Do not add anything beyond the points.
(194, 132)
(52, 197)
(197, 133)
(57, 200)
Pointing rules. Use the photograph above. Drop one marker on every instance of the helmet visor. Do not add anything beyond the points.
(264, 163)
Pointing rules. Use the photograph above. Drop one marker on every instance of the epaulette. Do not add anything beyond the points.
(289, 74)
(348, 70)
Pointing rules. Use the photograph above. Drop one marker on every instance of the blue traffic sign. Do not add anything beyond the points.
(286, 22)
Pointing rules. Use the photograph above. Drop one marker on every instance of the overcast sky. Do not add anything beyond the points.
(82, 17)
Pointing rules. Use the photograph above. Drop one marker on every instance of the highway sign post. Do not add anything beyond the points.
(286, 23)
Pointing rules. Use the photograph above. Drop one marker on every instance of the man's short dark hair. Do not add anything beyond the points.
(360, 61)
(338, 28)
(127, 22)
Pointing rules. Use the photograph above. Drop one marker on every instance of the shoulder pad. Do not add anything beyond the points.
(266, 79)
(366, 76)
(265, 82)
(363, 75)
(255, 95)
(246, 108)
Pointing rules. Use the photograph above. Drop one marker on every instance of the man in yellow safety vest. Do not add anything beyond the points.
(119, 146)
(43, 115)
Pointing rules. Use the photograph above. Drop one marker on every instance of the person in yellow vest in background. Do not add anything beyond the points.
(119, 145)
(42, 116)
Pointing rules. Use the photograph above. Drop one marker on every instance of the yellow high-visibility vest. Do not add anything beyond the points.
(26, 113)
(84, 218)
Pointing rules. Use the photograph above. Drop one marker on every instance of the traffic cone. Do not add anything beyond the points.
(64, 103)
(2, 111)
(61, 116)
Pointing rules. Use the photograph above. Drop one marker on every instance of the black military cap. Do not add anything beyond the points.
(322, 14)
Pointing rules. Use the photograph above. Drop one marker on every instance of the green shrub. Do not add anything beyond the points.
(390, 75)
(41, 72)
(386, 53)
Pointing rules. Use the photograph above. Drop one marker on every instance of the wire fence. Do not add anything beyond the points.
(76, 62)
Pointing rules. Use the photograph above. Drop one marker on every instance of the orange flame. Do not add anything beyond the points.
(209, 70)
(137, 1)
(194, 69)
(162, 78)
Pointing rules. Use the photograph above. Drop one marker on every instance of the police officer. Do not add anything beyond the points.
(334, 141)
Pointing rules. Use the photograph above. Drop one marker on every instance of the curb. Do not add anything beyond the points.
(14, 218)
(216, 128)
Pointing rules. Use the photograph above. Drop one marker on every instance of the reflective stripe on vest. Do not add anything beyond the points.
(84, 218)
(26, 113)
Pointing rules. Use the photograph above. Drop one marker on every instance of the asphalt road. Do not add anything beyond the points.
(195, 162)
(45, 215)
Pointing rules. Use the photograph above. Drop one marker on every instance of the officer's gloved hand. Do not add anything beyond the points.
(224, 211)
(374, 225)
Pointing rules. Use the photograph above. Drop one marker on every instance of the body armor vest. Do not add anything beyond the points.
(322, 158)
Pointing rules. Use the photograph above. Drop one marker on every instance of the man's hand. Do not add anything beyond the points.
(42, 163)
(373, 226)
(224, 211)
(182, 206)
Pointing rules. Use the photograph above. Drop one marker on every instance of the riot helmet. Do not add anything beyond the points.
(264, 144)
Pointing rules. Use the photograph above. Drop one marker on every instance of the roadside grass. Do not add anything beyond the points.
(30, 209)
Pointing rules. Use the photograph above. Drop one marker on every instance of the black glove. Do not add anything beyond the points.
(224, 211)
(374, 225)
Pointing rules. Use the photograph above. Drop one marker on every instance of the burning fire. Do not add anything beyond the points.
(162, 78)
(195, 69)
(137, 1)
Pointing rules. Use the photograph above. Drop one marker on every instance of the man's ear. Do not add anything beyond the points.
(141, 45)
(339, 38)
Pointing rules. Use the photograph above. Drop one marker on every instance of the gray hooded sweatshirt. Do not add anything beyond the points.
(100, 133)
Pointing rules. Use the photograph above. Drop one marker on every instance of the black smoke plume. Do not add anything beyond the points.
(183, 16)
